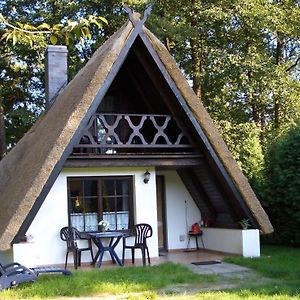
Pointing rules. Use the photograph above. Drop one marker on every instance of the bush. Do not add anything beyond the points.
(282, 187)
(243, 142)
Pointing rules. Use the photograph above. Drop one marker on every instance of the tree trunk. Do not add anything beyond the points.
(252, 101)
(196, 42)
(2, 133)
(196, 67)
(279, 61)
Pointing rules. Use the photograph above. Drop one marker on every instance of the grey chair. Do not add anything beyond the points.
(140, 232)
(70, 235)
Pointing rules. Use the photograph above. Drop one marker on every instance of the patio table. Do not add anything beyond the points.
(114, 238)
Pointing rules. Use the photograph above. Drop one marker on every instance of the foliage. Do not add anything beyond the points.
(19, 94)
(241, 56)
(282, 186)
(245, 223)
(35, 24)
(243, 141)
(70, 30)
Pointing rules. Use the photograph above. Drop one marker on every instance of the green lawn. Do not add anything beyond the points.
(282, 264)
(170, 281)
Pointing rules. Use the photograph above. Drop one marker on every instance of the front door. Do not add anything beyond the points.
(161, 224)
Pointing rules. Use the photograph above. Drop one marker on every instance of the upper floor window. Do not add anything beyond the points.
(92, 199)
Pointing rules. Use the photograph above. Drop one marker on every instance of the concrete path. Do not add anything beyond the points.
(218, 269)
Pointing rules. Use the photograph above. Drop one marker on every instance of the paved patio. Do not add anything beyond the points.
(187, 257)
(180, 256)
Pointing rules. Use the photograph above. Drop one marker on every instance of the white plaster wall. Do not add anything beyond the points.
(45, 246)
(181, 211)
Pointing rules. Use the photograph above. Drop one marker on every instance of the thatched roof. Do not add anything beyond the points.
(28, 171)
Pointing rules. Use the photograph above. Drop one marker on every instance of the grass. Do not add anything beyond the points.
(171, 281)
(103, 282)
(281, 264)
(275, 262)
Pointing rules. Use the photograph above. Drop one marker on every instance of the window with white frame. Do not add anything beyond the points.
(92, 199)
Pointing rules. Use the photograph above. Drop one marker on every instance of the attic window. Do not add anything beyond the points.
(92, 199)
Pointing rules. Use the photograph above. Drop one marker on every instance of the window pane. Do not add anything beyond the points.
(110, 218)
(75, 187)
(84, 204)
(122, 187)
(90, 188)
(122, 220)
(122, 203)
(90, 205)
(84, 221)
(109, 204)
(108, 187)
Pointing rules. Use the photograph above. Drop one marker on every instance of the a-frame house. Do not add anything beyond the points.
(127, 115)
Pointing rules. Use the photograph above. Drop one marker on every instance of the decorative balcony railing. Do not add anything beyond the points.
(110, 133)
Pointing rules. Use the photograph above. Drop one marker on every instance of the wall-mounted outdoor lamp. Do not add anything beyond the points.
(146, 176)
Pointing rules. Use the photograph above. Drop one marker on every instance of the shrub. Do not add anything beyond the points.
(282, 187)
(244, 144)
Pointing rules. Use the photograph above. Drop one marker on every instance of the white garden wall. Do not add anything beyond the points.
(243, 242)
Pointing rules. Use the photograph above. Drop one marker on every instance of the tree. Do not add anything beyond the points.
(21, 98)
(282, 186)
(244, 144)
(242, 57)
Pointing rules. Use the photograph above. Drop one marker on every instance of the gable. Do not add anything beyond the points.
(37, 159)
(139, 74)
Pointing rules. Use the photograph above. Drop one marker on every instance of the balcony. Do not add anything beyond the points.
(115, 134)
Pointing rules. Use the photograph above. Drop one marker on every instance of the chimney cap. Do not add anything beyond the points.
(56, 48)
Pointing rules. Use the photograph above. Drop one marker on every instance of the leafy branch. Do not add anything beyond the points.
(70, 31)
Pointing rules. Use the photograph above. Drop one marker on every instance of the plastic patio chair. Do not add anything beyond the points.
(70, 235)
(140, 232)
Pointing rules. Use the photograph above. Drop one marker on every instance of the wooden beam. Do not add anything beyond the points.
(127, 161)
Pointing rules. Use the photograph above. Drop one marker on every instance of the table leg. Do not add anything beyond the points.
(113, 253)
(99, 253)
(100, 259)
(111, 245)
(110, 248)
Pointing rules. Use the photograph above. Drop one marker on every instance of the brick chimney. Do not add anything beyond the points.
(56, 72)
